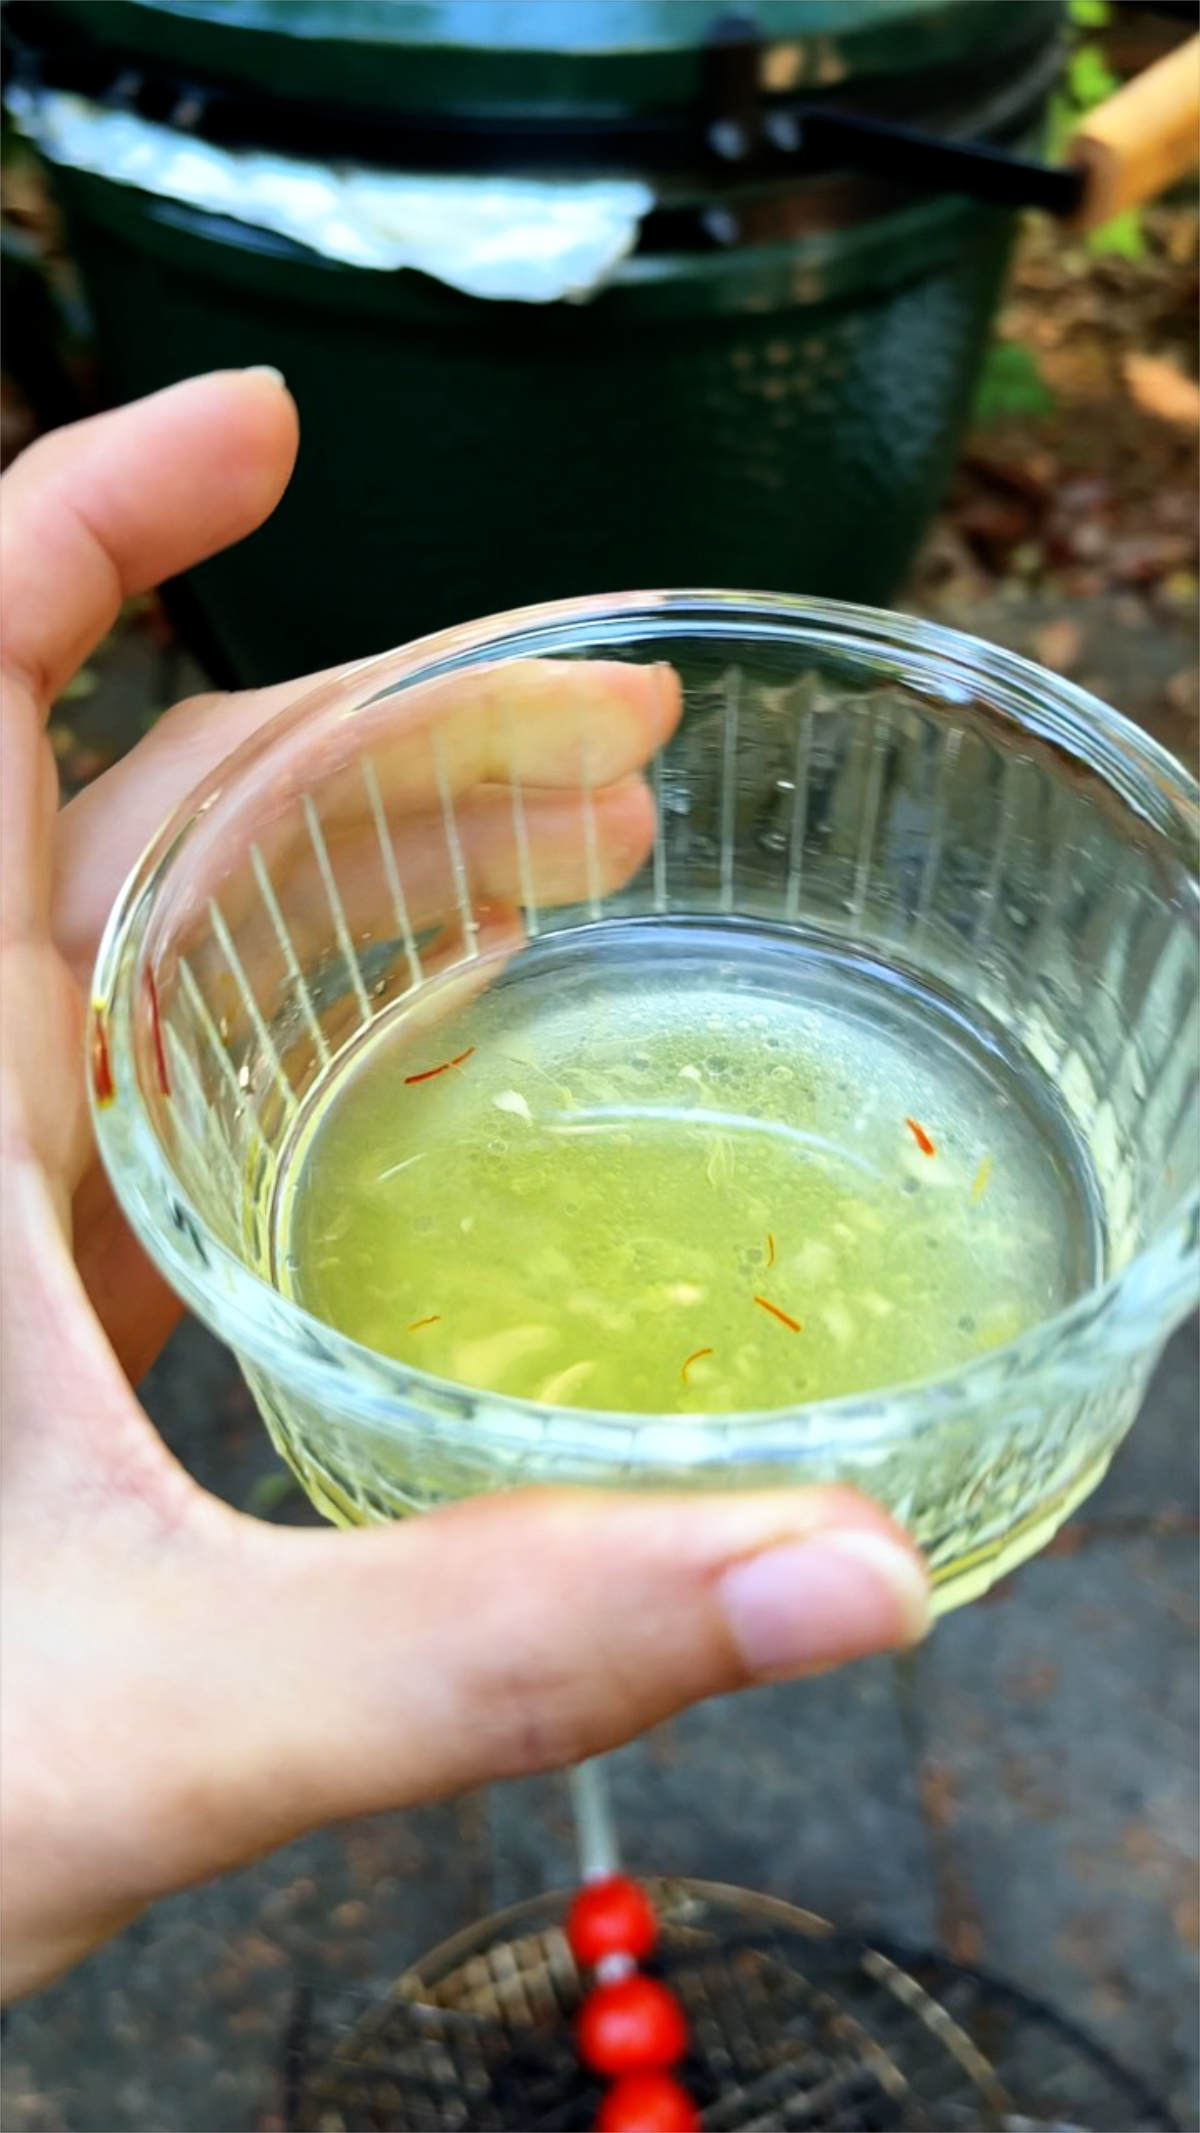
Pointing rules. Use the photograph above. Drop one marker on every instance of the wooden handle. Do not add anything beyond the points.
(1139, 142)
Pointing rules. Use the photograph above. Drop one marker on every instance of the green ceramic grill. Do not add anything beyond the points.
(767, 389)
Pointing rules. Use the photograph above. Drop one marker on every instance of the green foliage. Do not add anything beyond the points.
(1123, 235)
(1089, 81)
(1010, 383)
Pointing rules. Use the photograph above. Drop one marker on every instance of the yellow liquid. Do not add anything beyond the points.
(642, 1151)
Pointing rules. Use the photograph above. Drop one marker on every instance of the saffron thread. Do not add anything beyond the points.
(795, 1324)
(444, 1068)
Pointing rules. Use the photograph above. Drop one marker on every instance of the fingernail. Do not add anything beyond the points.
(266, 370)
(812, 1603)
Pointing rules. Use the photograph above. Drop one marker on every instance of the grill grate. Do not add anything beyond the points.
(794, 2026)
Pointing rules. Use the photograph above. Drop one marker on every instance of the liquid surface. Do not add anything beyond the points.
(669, 1173)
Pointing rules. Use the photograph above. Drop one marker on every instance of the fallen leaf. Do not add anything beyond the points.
(994, 525)
(1182, 692)
(1161, 389)
(1147, 558)
(1057, 645)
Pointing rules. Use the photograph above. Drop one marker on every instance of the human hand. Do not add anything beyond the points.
(182, 1686)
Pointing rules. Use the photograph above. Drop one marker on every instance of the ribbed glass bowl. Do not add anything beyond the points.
(847, 791)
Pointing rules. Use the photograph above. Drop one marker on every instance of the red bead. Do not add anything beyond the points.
(630, 2026)
(611, 1917)
(647, 2103)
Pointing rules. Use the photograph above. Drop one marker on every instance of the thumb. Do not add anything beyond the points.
(346, 1673)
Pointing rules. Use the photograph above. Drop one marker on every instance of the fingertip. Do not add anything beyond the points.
(104, 508)
(668, 699)
(260, 420)
(247, 421)
(267, 370)
(819, 1600)
(652, 693)
(277, 415)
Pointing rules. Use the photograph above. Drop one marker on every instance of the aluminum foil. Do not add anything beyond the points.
(522, 240)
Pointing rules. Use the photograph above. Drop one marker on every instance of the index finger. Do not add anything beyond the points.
(557, 724)
(109, 507)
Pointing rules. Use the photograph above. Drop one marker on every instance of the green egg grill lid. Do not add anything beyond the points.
(590, 64)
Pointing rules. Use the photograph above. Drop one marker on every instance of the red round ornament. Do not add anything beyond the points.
(647, 2103)
(631, 2026)
(611, 1917)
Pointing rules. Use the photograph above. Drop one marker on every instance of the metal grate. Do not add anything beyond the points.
(794, 2026)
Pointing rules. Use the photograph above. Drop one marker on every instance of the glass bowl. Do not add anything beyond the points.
(850, 798)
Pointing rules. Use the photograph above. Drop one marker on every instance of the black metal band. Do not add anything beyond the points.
(732, 136)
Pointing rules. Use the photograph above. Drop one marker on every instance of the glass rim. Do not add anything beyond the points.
(256, 1319)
